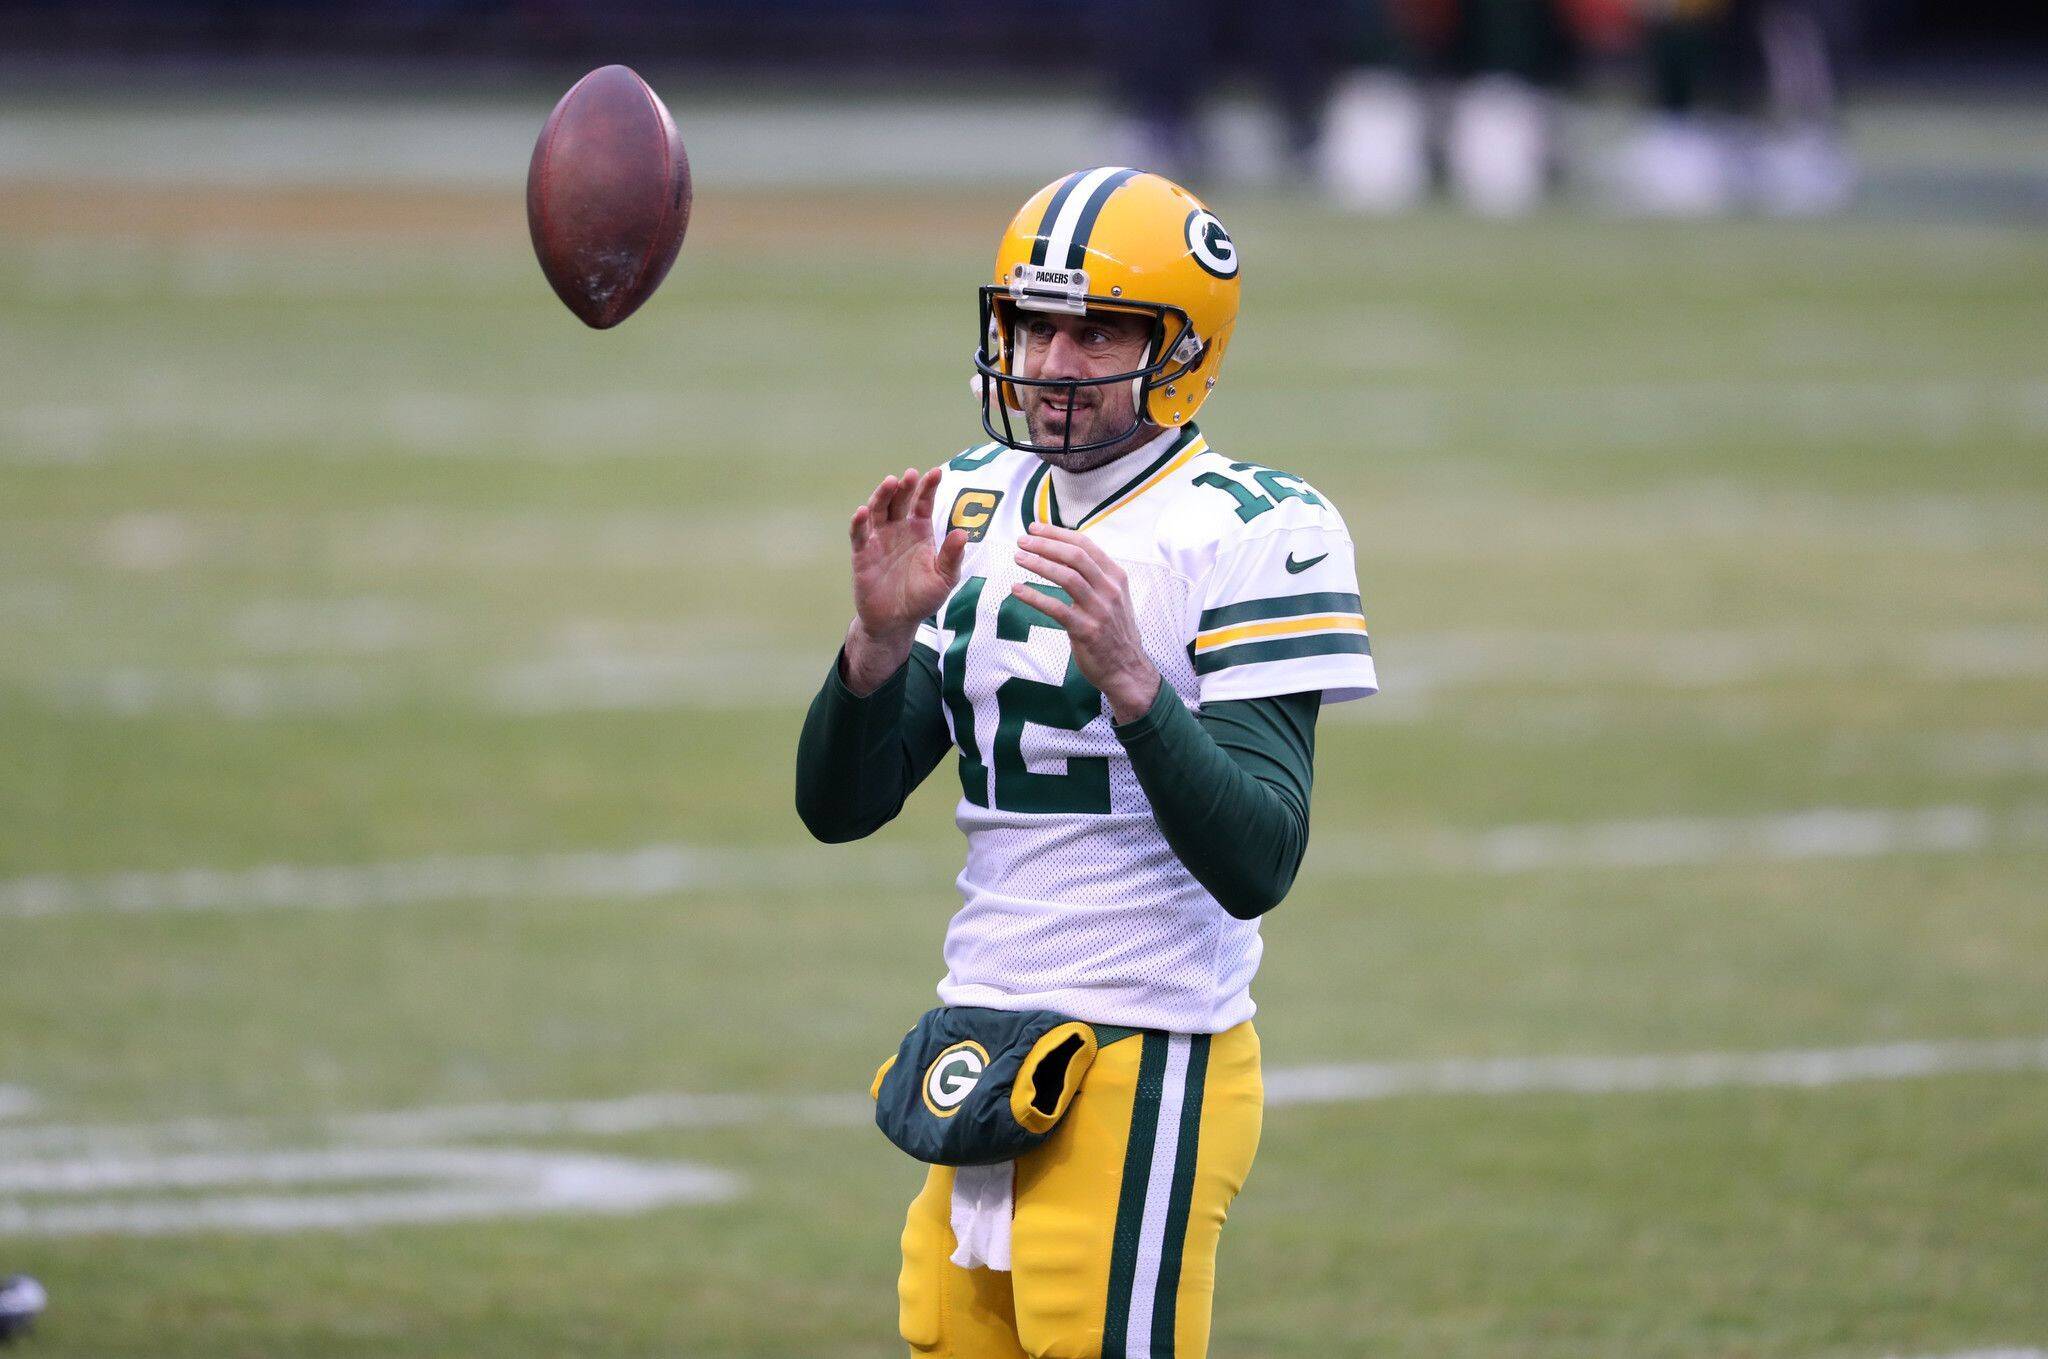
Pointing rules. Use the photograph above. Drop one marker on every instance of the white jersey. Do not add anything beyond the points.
(1244, 586)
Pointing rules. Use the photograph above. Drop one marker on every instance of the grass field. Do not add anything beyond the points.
(1708, 574)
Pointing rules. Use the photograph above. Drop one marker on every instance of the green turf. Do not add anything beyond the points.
(338, 551)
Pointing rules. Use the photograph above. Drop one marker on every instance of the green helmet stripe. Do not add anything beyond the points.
(1091, 210)
(1052, 212)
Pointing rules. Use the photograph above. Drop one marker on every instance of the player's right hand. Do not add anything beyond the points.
(899, 577)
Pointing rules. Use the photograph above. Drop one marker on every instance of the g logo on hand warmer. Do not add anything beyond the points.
(952, 1076)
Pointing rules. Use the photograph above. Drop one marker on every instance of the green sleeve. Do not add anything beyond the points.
(1230, 790)
(859, 758)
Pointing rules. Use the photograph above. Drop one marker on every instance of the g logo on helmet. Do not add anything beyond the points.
(1210, 244)
(952, 1076)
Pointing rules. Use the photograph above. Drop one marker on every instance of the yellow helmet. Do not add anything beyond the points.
(1112, 239)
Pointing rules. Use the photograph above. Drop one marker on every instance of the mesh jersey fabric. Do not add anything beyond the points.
(1244, 585)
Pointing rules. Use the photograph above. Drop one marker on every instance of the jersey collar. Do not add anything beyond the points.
(1052, 495)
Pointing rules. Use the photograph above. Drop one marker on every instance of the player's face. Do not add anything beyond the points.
(1060, 346)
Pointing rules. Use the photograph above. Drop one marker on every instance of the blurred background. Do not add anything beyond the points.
(407, 945)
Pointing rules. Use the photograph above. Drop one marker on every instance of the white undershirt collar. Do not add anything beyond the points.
(1080, 492)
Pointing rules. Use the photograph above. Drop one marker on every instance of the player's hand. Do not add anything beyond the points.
(899, 577)
(1100, 622)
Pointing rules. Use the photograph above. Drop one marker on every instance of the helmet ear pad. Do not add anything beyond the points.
(1004, 347)
(1176, 395)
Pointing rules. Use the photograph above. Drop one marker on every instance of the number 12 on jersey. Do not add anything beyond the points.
(1278, 486)
(1067, 706)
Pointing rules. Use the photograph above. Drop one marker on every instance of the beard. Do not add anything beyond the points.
(1052, 421)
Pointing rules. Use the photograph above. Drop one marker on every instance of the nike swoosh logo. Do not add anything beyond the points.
(1295, 568)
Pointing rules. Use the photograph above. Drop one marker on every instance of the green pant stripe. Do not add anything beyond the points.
(1182, 1198)
(1130, 1208)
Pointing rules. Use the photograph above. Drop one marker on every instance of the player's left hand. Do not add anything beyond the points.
(1100, 622)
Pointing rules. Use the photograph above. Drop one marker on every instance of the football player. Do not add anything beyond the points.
(1126, 636)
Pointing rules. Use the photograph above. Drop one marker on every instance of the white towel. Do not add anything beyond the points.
(982, 1204)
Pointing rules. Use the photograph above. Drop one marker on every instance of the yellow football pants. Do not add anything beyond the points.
(1118, 1214)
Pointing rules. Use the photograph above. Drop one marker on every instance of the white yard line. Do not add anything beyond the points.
(1286, 1087)
(607, 1117)
(591, 681)
(2011, 751)
(162, 420)
(1811, 1067)
(73, 1180)
(625, 1115)
(1822, 833)
(854, 142)
(597, 668)
(1475, 526)
(1555, 419)
(443, 543)
(1490, 526)
(446, 1185)
(15, 1101)
(1700, 658)
(628, 875)
(325, 137)
(360, 625)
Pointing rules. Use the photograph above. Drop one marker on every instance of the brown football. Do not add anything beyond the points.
(607, 196)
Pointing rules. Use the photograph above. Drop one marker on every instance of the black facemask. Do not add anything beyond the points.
(998, 309)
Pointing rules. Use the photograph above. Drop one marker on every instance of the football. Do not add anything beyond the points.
(608, 196)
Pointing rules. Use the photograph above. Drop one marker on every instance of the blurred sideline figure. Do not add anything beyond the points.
(1504, 61)
(1164, 59)
(1365, 139)
(1744, 110)
(1744, 104)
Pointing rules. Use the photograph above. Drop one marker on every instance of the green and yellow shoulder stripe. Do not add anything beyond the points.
(1279, 628)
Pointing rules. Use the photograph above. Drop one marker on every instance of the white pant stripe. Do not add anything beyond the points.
(1158, 1195)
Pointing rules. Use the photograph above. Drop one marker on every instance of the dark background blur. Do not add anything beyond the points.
(928, 35)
